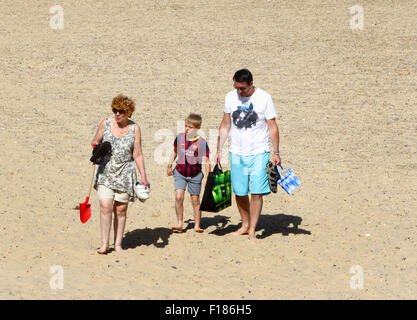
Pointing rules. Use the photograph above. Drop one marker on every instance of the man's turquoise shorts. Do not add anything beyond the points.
(249, 170)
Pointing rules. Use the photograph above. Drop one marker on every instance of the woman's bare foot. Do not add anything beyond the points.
(177, 229)
(104, 249)
(118, 248)
(198, 230)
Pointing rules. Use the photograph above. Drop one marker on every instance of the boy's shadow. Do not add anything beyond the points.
(218, 221)
(158, 237)
(270, 224)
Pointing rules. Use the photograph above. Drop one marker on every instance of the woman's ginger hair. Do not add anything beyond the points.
(121, 102)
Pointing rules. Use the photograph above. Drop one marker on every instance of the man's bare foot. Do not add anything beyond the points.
(104, 249)
(240, 232)
(118, 248)
(252, 237)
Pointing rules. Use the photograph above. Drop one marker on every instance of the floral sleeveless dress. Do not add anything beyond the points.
(118, 172)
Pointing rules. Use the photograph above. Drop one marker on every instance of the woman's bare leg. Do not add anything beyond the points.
(120, 212)
(106, 208)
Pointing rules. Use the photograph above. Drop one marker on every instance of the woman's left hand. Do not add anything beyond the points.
(144, 181)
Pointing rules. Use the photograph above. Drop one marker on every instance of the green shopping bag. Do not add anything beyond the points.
(218, 191)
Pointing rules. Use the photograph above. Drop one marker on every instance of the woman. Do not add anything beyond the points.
(115, 179)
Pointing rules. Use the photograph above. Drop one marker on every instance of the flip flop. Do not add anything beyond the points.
(273, 176)
(177, 229)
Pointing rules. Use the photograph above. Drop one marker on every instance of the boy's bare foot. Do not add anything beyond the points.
(104, 249)
(240, 232)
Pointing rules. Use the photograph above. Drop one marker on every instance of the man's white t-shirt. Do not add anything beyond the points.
(249, 134)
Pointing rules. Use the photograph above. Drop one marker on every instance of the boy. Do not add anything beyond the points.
(190, 149)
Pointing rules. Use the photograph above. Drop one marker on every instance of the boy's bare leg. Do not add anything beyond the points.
(244, 209)
(120, 210)
(195, 201)
(179, 207)
(256, 203)
(106, 208)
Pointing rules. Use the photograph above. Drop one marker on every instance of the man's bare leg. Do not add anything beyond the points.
(256, 203)
(244, 209)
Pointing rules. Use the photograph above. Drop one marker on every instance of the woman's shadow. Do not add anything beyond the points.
(269, 224)
(158, 237)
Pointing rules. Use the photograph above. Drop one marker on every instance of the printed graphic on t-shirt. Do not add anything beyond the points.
(191, 151)
(244, 117)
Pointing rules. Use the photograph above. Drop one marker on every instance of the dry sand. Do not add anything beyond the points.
(347, 116)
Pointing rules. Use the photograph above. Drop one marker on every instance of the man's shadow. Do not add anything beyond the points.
(270, 224)
(158, 237)
(279, 223)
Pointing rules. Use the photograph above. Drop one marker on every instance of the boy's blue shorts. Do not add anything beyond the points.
(245, 170)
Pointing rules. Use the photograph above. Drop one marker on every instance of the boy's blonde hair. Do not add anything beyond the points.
(194, 119)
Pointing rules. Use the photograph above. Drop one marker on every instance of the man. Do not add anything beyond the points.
(250, 115)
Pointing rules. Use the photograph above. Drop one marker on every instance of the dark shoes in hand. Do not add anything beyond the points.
(100, 151)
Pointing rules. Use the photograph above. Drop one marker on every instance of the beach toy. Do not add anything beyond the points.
(288, 181)
(85, 207)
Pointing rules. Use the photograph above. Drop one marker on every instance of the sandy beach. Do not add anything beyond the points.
(346, 106)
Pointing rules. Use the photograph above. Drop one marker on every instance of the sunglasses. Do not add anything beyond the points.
(118, 111)
(241, 88)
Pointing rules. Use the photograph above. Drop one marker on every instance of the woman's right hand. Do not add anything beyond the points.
(98, 137)
(169, 171)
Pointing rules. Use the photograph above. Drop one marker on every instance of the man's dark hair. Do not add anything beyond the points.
(243, 75)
